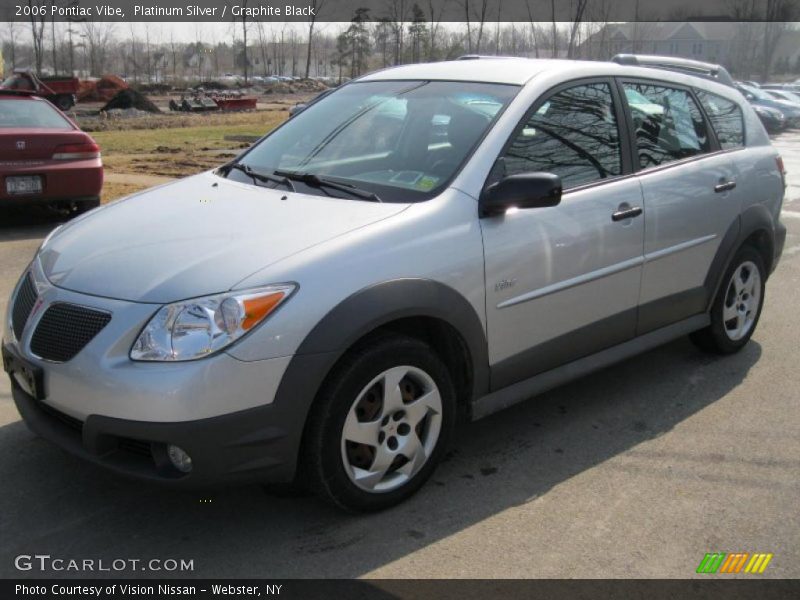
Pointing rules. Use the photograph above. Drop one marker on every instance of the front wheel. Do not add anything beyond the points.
(380, 425)
(737, 307)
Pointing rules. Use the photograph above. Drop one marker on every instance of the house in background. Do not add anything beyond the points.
(737, 46)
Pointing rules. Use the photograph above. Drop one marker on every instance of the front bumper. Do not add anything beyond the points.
(121, 414)
(257, 444)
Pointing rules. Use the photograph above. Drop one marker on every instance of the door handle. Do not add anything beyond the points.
(627, 213)
(724, 187)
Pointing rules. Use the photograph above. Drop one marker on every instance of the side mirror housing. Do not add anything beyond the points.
(524, 190)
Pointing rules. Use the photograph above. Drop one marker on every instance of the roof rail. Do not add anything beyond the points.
(683, 65)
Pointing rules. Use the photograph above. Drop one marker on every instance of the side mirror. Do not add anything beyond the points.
(525, 190)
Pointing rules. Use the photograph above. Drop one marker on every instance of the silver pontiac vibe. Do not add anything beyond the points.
(424, 242)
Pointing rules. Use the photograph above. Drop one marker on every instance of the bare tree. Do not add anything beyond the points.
(37, 31)
(97, 37)
(316, 7)
(245, 58)
(482, 11)
(398, 14)
(134, 61)
(469, 26)
(173, 51)
(777, 14)
(497, 28)
(11, 26)
(580, 7)
(382, 34)
(417, 32)
(436, 21)
(263, 46)
(533, 29)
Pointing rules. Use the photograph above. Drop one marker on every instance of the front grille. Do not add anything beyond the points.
(65, 329)
(23, 305)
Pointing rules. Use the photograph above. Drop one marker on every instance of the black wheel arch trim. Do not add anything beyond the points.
(752, 219)
(365, 311)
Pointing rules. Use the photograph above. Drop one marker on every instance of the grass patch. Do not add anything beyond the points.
(175, 145)
(200, 132)
(113, 190)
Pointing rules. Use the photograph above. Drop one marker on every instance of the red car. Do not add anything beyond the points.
(44, 157)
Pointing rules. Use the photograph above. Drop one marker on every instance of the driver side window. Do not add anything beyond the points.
(574, 134)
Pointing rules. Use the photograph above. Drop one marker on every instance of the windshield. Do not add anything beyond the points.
(402, 140)
(16, 113)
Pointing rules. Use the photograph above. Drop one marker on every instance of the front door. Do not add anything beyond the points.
(563, 282)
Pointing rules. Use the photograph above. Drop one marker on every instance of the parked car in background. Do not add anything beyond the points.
(427, 244)
(790, 87)
(774, 121)
(787, 95)
(759, 97)
(44, 157)
(61, 91)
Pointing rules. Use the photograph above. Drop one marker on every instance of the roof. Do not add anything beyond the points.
(512, 70)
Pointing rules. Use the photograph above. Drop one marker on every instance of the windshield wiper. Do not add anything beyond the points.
(257, 176)
(313, 180)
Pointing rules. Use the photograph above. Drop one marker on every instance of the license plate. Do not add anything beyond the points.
(29, 377)
(31, 184)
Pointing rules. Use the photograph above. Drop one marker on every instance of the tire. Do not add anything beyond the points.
(366, 449)
(737, 306)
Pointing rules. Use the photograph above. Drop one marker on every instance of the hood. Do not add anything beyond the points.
(201, 235)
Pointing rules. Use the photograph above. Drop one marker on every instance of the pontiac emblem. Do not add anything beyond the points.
(21, 145)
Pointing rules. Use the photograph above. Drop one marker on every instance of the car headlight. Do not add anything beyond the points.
(196, 328)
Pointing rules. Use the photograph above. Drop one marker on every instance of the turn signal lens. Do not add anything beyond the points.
(83, 151)
(256, 309)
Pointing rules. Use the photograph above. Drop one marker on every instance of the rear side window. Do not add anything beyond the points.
(726, 119)
(30, 113)
(667, 122)
(574, 134)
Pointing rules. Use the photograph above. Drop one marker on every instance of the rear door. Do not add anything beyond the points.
(690, 199)
(563, 282)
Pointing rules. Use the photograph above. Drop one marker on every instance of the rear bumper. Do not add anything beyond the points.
(61, 180)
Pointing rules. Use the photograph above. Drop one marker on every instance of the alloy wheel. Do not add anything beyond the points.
(742, 300)
(391, 429)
